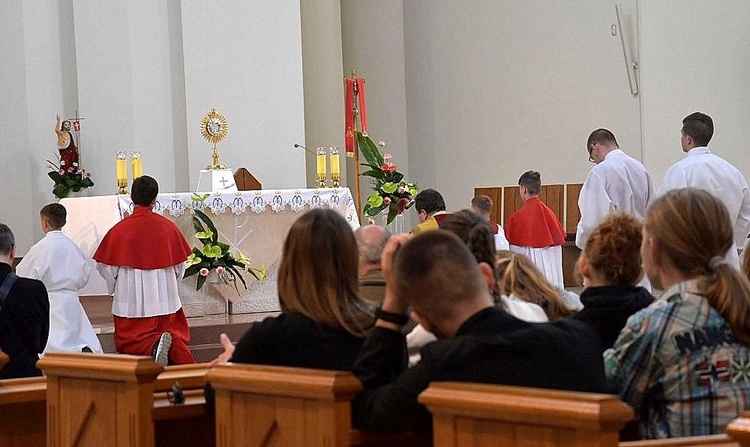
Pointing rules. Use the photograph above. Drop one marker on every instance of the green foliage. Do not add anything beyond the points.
(69, 181)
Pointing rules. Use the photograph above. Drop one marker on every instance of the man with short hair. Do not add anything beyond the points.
(24, 314)
(482, 205)
(703, 169)
(449, 293)
(535, 231)
(142, 259)
(618, 183)
(61, 266)
(370, 241)
(430, 208)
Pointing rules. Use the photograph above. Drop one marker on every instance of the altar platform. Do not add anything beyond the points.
(253, 222)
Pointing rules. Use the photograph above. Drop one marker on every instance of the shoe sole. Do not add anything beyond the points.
(162, 350)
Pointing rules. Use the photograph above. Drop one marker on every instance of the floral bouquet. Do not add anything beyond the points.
(68, 178)
(216, 255)
(390, 190)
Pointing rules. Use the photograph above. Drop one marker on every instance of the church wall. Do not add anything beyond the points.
(322, 62)
(245, 59)
(695, 57)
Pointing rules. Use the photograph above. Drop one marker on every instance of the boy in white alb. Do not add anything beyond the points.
(61, 266)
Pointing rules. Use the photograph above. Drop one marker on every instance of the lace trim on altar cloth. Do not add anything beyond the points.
(176, 204)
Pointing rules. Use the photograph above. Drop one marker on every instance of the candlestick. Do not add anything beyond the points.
(135, 164)
(335, 166)
(121, 169)
(321, 167)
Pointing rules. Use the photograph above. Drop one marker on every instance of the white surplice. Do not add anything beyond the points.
(501, 242)
(619, 183)
(705, 170)
(548, 260)
(61, 266)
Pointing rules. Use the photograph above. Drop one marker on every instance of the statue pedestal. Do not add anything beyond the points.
(211, 180)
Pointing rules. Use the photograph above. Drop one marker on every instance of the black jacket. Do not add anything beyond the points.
(24, 325)
(295, 340)
(607, 308)
(490, 347)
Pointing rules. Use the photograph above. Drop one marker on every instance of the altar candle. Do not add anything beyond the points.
(136, 165)
(321, 163)
(122, 167)
(335, 166)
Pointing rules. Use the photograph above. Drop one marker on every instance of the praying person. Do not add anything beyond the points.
(142, 259)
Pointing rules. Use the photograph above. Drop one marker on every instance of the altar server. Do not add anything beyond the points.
(142, 259)
(705, 170)
(535, 231)
(618, 183)
(61, 266)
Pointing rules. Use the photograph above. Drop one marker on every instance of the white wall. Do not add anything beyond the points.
(695, 57)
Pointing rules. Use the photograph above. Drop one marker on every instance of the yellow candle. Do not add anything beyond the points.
(335, 166)
(137, 168)
(122, 169)
(321, 163)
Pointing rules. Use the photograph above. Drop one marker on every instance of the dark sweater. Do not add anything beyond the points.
(24, 325)
(607, 308)
(490, 347)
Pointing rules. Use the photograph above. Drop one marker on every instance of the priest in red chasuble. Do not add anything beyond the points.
(142, 259)
(535, 231)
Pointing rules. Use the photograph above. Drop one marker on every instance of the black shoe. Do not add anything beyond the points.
(87, 350)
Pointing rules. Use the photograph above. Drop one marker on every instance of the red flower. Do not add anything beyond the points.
(387, 200)
(388, 167)
(401, 204)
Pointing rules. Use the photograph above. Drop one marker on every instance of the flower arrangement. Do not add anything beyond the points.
(390, 190)
(68, 178)
(216, 255)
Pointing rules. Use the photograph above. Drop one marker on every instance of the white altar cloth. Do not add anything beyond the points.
(254, 222)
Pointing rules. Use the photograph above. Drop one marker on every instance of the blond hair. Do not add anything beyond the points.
(318, 275)
(692, 229)
(519, 276)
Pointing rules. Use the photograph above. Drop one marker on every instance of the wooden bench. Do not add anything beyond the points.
(260, 405)
(23, 417)
(121, 400)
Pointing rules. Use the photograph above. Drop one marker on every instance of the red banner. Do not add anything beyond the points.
(77, 126)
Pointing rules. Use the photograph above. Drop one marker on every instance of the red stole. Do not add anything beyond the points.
(144, 241)
(534, 225)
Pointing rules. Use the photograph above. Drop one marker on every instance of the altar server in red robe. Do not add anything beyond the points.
(535, 231)
(142, 259)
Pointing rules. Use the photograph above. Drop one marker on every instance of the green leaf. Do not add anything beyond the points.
(392, 212)
(211, 251)
(375, 200)
(209, 224)
(204, 234)
(374, 173)
(369, 150)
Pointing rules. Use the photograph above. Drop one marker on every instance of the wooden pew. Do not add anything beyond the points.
(479, 414)
(694, 441)
(23, 412)
(259, 405)
(3, 359)
(121, 400)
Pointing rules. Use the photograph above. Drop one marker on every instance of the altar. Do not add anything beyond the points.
(252, 222)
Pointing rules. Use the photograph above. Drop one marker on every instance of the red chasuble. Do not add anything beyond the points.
(144, 241)
(534, 225)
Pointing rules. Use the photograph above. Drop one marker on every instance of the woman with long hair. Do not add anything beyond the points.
(683, 363)
(519, 279)
(323, 321)
(610, 265)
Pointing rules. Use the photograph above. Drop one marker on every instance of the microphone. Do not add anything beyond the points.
(304, 148)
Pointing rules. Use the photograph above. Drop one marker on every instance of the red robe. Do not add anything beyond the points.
(534, 225)
(143, 240)
(147, 241)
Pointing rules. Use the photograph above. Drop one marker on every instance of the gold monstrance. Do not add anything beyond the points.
(214, 129)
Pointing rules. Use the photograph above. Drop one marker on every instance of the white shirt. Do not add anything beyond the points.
(501, 242)
(702, 169)
(61, 266)
(619, 183)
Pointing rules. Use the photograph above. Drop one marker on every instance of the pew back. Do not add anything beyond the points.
(258, 405)
(479, 414)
